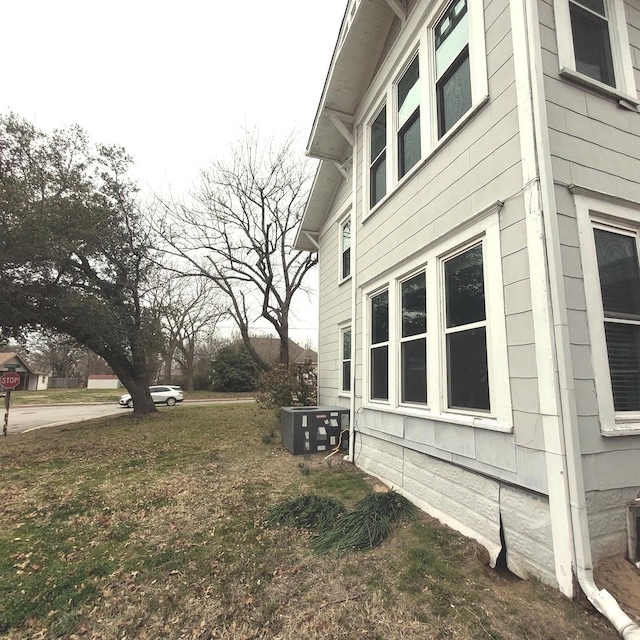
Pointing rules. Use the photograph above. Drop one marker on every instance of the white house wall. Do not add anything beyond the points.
(424, 458)
(594, 143)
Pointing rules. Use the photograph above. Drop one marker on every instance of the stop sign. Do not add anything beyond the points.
(9, 380)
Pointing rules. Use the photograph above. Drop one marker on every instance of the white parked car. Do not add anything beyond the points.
(160, 394)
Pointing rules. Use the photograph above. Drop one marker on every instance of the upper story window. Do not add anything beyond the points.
(378, 157)
(593, 45)
(345, 249)
(409, 118)
(426, 95)
(453, 72)
(591, 41)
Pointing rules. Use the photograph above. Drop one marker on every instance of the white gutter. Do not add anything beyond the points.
(354, 283)
(603, 601)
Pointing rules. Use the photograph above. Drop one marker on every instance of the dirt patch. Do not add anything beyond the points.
(622, 580)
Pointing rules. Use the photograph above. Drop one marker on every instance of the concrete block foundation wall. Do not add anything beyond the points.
(469, 502)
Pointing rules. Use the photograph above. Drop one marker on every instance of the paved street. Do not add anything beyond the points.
(25, 418)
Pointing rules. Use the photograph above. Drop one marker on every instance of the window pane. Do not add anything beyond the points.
(592, 45)
(409, 143)
(409, 92)
(346, 376)
(452, 36)
(346, 345)
(414, 306)
(379, 134)
(623, 347)
(380, 373)
(414, 371)
(619, 275)
(380, 318)
(454, 94)
(346, 263)
(378, 180)
(464, 284)
(346, 235)
(594, 5)
(467, 369)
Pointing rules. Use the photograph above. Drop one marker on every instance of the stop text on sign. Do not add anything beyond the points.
(9, 380)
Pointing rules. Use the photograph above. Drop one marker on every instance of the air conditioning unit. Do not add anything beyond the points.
(315, 429)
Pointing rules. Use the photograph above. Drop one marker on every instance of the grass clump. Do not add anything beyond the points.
(367, 525)
(312, 512)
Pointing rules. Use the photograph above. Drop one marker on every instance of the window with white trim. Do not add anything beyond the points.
(413, 339)
(453, 72)
(345, 249)
(429, 94)
(379, 353)
(466, 331)
(345, 360)
(378, 158)
(443, 320)
(593, 44)
(617, 257)
(409, 118)
(610, 246)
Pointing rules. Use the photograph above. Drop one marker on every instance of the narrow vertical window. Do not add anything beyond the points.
(378, 160)
(617, 257)
(409, 118)
(345, 369)
(466, 331)
(346, 249)
(591, 40)
(413, 340)
(380, 346)
(453, 75)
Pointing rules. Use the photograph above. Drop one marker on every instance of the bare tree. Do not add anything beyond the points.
(189, 311)
(238, 229)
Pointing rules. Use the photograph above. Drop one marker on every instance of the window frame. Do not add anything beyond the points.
(420, 43)
(484, 231)
(382, 156)
(625, 86)
(402, 340)
(383, 344)
(594, 213)
(341, 266)
(342, 390)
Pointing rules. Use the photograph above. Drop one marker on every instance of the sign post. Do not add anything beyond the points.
(9, 381)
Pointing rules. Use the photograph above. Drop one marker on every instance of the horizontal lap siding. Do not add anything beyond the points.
(594, 143)
(335, 301)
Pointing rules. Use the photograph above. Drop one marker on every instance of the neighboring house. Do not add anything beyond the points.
(268, 348)
(103, 381)
(476, 213)
(30, 380)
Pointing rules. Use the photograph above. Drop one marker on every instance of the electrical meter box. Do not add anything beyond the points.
(315, 429)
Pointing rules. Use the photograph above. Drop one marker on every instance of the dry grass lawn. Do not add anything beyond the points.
(117, 529)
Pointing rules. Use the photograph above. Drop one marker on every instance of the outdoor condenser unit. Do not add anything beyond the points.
(315, 429)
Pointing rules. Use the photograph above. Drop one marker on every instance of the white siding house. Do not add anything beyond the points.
(476, 213)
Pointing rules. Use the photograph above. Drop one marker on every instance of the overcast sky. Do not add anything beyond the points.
(174, 83)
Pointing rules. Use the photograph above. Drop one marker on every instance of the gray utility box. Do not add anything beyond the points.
(315, 429)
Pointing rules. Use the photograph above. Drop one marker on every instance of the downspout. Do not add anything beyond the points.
(601, 599)
(354, 282)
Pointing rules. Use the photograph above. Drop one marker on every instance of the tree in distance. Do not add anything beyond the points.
(238, 229)
(74, 255)
(234, 370)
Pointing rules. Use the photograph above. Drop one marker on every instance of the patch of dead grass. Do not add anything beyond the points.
(154, 529)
